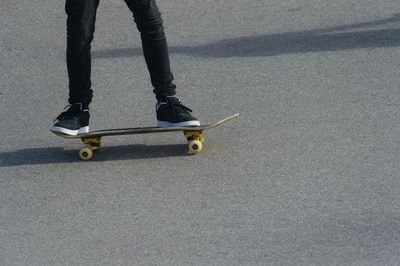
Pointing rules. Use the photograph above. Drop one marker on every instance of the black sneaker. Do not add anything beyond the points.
(74, 121)
(172, 113)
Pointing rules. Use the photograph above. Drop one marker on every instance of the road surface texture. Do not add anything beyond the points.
(309, 174)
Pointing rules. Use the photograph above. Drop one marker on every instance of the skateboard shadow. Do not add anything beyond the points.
(54, 155)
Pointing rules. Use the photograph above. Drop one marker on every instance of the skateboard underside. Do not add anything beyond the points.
(195, 140)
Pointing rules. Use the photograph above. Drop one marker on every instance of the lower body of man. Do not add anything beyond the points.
(80, 29)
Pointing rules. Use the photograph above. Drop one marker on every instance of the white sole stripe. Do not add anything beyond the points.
(69, 131)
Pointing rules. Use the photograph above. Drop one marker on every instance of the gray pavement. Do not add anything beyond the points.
(307, 175)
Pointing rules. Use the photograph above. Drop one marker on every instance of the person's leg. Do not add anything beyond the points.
(150, 25)
(170, 111)
(80, 29)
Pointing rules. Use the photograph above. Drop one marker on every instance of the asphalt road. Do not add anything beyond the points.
(309, 174)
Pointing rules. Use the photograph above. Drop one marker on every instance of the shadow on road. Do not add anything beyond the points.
(327, 39)
(35, 156)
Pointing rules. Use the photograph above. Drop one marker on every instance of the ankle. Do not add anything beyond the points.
(81, 106)
(161, 99)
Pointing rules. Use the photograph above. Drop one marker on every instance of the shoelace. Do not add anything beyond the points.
(179, 106)
(67, 114)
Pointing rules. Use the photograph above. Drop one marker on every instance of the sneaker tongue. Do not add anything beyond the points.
(177, 103)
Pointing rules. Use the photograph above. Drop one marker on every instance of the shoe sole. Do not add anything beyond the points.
(70, 132)
(181, 124)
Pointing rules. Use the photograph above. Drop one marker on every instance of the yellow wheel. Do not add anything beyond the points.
(201, 138)
(195, 146)
(86, 154)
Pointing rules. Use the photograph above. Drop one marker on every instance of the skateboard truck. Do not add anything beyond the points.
(195, 140)
(92, 144)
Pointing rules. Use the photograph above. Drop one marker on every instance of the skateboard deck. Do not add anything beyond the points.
(92, 140)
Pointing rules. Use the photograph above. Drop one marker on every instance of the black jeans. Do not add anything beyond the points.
(80, 29)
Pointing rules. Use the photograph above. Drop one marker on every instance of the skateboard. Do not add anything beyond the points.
(92, 140)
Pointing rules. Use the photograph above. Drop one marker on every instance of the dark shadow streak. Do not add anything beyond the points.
(319, 40)
(37, 156)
